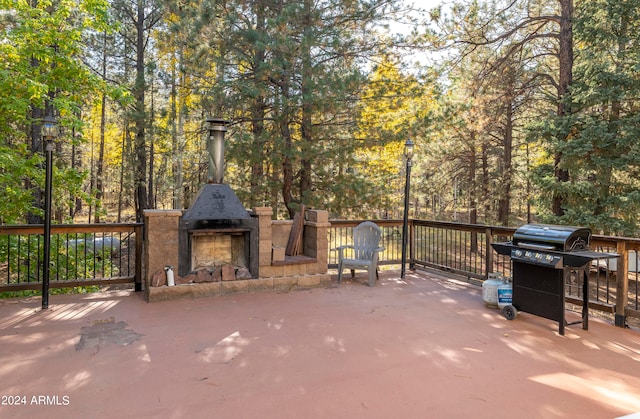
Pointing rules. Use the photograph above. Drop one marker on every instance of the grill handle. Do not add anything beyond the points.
(536, 246)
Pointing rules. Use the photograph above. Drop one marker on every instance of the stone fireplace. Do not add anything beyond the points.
(275, 272)
(219, 247)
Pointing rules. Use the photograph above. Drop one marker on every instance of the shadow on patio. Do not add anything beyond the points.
(424, 347)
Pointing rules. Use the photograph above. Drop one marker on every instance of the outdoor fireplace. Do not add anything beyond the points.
(217, 231)
(220, 248)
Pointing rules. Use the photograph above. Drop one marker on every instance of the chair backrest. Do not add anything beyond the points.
(366, 238)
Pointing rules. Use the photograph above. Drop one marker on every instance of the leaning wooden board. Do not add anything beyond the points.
(294, 244)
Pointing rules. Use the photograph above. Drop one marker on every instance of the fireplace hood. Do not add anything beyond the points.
(217, 209)
(215, 201)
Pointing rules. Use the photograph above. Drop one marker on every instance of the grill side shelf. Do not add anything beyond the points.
(503, 248)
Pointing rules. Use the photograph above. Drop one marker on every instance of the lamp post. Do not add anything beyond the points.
(408, 154)
(49, 132)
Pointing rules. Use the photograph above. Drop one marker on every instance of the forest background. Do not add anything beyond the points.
(521, 110)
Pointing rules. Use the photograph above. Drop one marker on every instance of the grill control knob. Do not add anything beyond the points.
(549, 258)
(518, 253)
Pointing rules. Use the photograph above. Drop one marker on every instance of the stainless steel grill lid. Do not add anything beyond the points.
(552, 237)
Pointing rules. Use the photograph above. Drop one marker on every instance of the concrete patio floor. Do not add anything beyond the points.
(425, 347)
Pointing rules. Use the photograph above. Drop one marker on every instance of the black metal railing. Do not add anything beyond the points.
(81, 255)
(100, 254)
(465, 249)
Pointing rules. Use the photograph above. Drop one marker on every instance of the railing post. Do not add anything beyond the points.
(412, 249)
(138, 262)
(488, 259)
(622, 287)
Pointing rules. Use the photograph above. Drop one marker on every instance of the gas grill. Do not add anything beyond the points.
(543, 257)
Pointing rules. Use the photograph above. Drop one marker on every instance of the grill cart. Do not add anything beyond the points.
(543, 258)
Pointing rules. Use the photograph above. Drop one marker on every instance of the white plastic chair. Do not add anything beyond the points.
(364, 251)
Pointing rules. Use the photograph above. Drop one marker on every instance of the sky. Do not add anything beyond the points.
(395, 27)
(427, 4)
(416, 4)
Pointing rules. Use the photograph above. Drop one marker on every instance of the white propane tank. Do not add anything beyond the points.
(505, 293)
(490, 289)
(170, 279)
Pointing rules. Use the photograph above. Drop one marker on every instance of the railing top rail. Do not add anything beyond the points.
(69, 228)
(440, 224)
(631, 243)
(464, 226)
(353, 223)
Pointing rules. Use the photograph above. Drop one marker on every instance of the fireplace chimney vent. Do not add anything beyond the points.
(215, 147)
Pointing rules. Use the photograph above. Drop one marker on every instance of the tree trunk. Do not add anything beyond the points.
(36, 148)
(473, 190)
(103, 122)
(140, 117)
(307, 106)
(287, 167)
(485, 196)
(151, 203)
(504, 202)
(287, 162)
(258, 113)
(176, 166)
(565, 58)
(75, 203)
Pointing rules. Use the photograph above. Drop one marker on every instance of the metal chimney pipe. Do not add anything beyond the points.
(215, 147)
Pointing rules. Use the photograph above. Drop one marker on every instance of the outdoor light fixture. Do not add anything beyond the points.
(408, 154)
(408, 150)
(49, 132)
(49, 129)
(215, 147)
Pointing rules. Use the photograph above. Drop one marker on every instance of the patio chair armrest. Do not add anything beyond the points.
(340, 248)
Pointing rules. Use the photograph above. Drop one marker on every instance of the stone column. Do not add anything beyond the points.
(161, 242)
(264, 215)
(316, 238)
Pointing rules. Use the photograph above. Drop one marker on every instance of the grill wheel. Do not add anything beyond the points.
(509, 312)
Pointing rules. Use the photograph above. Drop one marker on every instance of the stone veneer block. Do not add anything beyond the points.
(295, 269)
(263, 211)
(313, 269)
(260, 285)
(264, 218)
(280, 230)
(178, 292)
(236, 287)
(285, 284)
(325, 279)
(271, 271)
(277, 254)
(264, 223)
(318, 216)
(313, 281)
(265, 252)
(323, 260)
